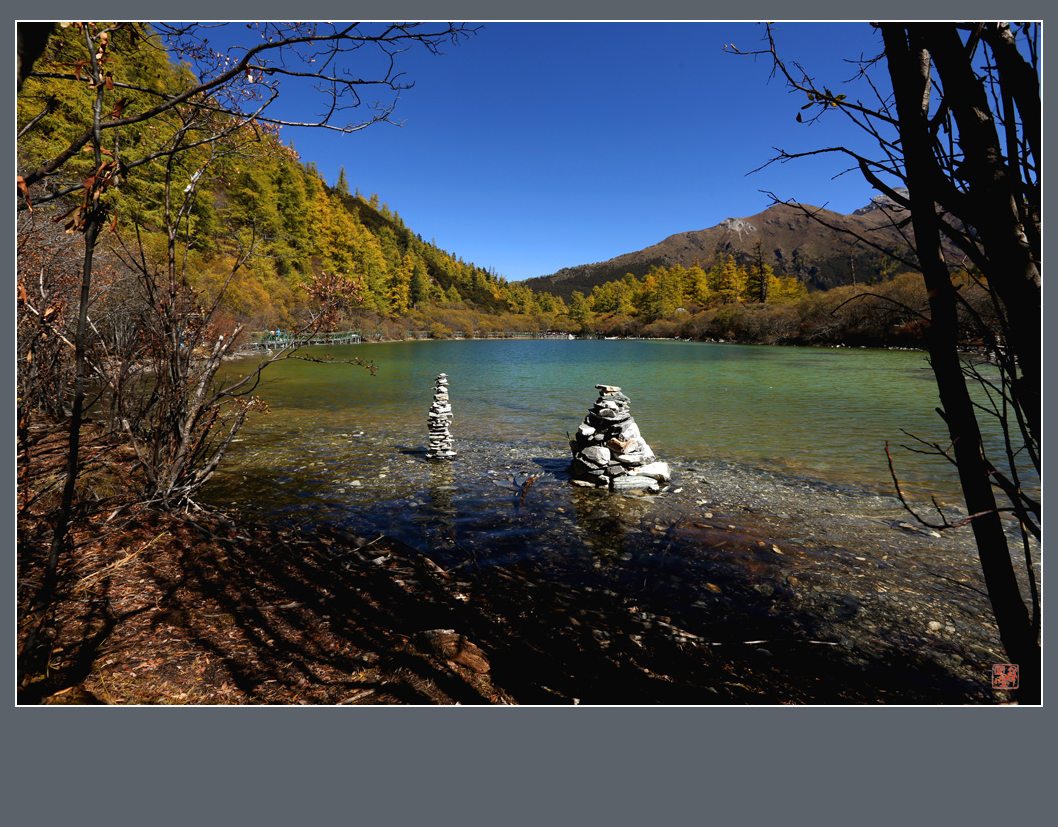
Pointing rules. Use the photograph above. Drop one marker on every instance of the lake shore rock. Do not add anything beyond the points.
(610, 452)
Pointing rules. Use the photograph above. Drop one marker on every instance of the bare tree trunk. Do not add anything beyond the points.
(62, 518)
(909, 67)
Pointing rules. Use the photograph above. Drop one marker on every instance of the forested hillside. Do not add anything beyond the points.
(258, 196)
(167, 226)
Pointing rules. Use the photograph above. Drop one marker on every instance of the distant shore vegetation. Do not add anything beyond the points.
(684, 303)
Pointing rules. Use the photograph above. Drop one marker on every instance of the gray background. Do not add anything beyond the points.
(520, 765)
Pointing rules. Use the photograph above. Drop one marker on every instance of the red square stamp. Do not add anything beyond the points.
(1005, 675)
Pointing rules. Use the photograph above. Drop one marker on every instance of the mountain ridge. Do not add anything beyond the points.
(794, 239)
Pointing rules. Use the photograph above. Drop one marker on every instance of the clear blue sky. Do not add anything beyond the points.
(533, 146)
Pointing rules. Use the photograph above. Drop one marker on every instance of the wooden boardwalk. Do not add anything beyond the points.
(491, 334)
(265, 340)
(261, 341)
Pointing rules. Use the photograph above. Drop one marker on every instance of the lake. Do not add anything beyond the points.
(343, 446)
(817, 411)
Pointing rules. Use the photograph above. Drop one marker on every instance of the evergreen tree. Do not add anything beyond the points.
(420, 281)
(292, 243)
(759, 283)
(399, 294)
(759, 278)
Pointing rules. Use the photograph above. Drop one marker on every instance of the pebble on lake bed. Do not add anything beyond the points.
(608, 450)
(440, 440)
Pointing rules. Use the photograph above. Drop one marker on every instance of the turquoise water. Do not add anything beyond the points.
(820, 413)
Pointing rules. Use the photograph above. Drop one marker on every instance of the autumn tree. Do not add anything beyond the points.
(730, 281)
(341, 186)
(697, 285)
(580, 312)
(400, 286)
(420, 282)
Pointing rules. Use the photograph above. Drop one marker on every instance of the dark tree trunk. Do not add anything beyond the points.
(993, 205)
(909, 67)
(62, 518)
(32, 38)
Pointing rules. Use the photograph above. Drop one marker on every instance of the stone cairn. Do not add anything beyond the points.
(608, 450)
(440, 445)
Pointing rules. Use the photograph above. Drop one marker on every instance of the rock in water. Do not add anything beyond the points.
(656, 470)
(440, 442)
(634, 483)
(609, 451)
(596, 455)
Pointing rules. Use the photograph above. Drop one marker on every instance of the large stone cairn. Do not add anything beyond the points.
(608, 450)
(440, 444)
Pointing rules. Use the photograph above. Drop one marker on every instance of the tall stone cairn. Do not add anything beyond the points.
(440, 442)
(608, 450)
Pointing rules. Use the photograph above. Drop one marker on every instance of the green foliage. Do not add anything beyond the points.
(258, 189)
(759, 282)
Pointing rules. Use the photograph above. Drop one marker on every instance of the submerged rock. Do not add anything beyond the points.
(656, 470)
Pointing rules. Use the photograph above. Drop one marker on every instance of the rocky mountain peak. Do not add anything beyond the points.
(881, 201)
(738, 225)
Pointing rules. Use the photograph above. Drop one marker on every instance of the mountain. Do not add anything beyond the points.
(809, 242)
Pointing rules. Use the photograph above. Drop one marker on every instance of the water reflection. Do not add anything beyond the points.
(345, 447)
(605, 522)
(440, 517)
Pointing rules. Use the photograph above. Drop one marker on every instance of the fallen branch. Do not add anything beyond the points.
(945, 524)
(82, 584)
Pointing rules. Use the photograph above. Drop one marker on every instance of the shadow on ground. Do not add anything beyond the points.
(693, 614)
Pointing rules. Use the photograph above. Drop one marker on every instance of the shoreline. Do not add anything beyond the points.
(732, 601)
(243, 354)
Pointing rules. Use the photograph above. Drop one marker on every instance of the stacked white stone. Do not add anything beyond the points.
(608, 450)
(440, 442)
